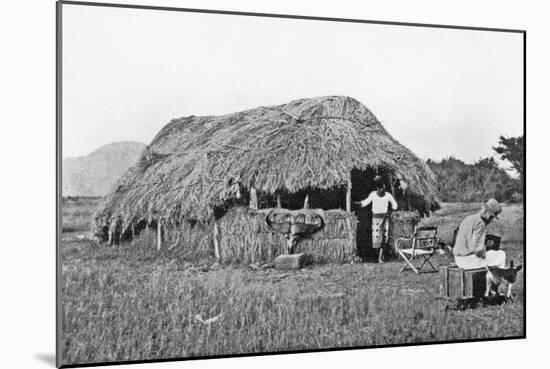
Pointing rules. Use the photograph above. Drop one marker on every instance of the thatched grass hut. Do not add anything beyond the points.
(196, 169)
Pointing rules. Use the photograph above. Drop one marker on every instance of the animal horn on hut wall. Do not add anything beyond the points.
(303, 221)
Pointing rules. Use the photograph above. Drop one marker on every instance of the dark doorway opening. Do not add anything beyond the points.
(362, 184)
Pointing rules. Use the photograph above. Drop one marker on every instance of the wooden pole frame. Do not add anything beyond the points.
(159, 234)
(253, 203)
(348, 195)
(392, 187)
(216, 241)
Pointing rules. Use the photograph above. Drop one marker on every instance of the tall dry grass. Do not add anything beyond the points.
(131, 303)
(77, 213)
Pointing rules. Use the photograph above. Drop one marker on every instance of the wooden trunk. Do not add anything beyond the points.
(462, 284)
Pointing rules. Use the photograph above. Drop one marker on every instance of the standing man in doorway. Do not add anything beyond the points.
(382, 205)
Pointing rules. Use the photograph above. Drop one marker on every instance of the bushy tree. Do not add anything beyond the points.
(461, 182)
(512, 150)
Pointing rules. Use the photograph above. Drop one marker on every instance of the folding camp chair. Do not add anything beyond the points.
(422, 243)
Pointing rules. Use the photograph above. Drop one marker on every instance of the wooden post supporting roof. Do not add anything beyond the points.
(348, 251)
(392, 187)
(253, 204)
(279, 201)
(159, 234)
(216, 241)
(306, 202)
(348, 195)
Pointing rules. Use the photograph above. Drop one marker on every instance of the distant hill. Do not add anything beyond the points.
(95, 174)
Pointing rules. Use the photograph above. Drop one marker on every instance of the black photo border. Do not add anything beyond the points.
(58, 110)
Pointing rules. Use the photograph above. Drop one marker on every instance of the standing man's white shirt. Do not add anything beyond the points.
(380, 203)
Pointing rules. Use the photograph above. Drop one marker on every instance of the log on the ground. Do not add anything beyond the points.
(286, 261)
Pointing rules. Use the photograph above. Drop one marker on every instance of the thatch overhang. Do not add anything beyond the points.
(196, 164)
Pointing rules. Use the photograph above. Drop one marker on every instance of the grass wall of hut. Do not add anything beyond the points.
(245, 237)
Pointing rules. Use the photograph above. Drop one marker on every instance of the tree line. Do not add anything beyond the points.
(462, 182)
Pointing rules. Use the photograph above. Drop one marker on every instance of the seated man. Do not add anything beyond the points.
(469, 249)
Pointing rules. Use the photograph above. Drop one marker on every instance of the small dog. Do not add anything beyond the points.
(495, 276)
(444, 249)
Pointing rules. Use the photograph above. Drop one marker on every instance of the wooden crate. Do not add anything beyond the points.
(462, 284)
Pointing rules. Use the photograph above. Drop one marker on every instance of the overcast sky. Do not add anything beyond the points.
(440, 92)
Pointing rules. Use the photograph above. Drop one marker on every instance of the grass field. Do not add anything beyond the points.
(131, 303)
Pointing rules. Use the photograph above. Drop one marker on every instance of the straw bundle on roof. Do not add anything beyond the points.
(196, 165)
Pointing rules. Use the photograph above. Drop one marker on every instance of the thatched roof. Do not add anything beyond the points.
(195, 164)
